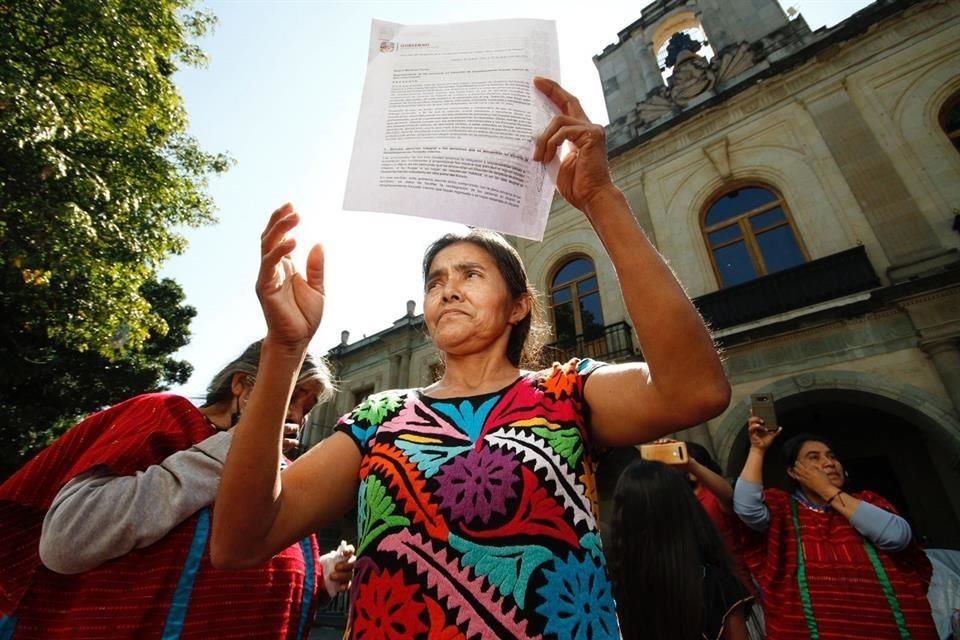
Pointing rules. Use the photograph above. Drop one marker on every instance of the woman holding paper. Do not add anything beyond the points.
(476, 495)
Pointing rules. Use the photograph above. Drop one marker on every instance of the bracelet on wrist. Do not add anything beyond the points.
(835, 496)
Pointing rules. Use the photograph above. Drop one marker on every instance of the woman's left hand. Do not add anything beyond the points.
(292, 304)
(584, 173)
(813, 478)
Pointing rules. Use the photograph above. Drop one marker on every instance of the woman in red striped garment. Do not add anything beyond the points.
(831, 565)
(105, 534)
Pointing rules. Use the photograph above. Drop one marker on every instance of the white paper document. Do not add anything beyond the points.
(448, 121)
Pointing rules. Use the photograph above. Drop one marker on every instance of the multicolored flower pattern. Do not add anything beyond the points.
(478, 485)
(388, 607)
(479, 514)
(578, 600)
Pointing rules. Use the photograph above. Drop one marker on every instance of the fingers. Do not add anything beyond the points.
(274, 245)
(281, 221)
(565, 101)
(559, 129)
(315, 261)
(756, 427)
(273, 258)
(344, 567)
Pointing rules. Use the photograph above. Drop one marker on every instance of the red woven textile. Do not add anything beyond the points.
(130, 596)
(848, 602)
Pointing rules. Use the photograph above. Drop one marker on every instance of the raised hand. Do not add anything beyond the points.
(760, 438)
(292, 304)
(814, 478)
(584, 173)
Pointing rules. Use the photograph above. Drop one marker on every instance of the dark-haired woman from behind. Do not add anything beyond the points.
(672, 576)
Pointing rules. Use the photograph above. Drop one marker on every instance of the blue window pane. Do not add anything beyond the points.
(591, 315)
(562, 295)
(587, 286)
(723, 235)
(779, 249)
(767, 219)
(737, 202)
(563, 322)
(734, 264)
(573, 270)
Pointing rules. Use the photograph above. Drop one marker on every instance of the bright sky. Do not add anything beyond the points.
(281, 96)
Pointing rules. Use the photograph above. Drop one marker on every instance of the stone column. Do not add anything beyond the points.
(393, 377)
(905, 235)
(404, 374)
(945, 354)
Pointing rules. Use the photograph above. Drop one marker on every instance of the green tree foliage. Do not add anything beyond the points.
(39, 399)
(97, 174)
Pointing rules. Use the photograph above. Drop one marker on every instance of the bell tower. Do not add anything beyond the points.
(680, 52)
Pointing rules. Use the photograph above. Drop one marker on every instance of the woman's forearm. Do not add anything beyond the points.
(715, 484)
(753, 467)
(749, 506)
(676, 345)
(250, 491)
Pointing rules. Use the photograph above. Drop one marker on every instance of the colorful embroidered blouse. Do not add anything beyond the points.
(477, 517)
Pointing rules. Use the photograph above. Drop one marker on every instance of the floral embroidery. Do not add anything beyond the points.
(387, 607)
(465, 417)
(566, 442)
(375, 512)
(478, 485)
(509, 568)
(407, 487)
(562, 382)
(375, 408)
(578, 601)
(482, 511)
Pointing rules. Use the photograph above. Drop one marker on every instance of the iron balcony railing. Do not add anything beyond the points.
(613, 342)
(828, 278)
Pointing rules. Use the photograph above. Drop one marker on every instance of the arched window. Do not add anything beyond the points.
(950, 120)
(575, 300)
(750, 234)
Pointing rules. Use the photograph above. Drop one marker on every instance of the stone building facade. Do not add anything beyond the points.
(805, 188)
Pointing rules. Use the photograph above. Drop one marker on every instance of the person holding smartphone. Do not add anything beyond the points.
(831, 564)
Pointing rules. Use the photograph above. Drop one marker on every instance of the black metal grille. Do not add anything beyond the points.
(614, 342)
(834, 276)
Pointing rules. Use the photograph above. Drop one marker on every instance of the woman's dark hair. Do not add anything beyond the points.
(527, 337)
(790, 450)
(661, 540)
(699, 453)
(248, 361)
(792, 445)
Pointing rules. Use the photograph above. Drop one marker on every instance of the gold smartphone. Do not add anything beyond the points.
(666, 452)
(762, 405)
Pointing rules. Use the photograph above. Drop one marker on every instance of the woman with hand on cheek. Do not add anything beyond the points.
(831, 564)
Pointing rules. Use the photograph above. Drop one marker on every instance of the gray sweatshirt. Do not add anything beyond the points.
(98, 516)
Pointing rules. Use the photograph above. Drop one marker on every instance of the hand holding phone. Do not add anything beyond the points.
(762, 406)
